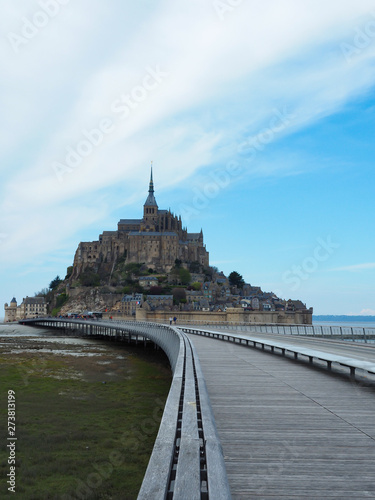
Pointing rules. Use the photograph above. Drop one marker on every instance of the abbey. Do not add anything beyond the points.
(157, 240)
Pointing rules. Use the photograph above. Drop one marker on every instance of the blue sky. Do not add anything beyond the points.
(259, 118)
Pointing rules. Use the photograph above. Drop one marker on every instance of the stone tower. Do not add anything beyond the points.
(10, 311)
(150, 209)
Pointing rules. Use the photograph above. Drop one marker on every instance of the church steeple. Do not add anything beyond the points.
(150, 209)
(151, 201)
(151, 186)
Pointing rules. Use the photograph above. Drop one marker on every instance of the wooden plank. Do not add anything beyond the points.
(288, 430)
(188, 470)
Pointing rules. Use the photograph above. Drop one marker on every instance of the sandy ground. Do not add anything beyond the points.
(84, 359)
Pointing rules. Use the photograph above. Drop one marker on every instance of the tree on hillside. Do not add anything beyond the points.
(180, 275)
(133, 268)
(194, 267)
(179, 295)
(55, 283)
(209, 272)
(235, 279)
(184, 275)
(156, 290)
(89, 278)
(196, 286)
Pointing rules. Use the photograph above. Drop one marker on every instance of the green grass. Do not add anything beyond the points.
(81, 438)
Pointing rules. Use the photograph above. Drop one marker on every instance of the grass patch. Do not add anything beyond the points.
(85, 428)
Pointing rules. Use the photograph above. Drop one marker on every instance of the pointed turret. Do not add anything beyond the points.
(150, 208)
(151, 201)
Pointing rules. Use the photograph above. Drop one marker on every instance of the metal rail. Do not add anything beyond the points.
(286, 346)
(343, 332)
(187, 459)
(353, 333)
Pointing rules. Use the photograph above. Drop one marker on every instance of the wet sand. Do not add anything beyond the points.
(88, 359)
(79, 402)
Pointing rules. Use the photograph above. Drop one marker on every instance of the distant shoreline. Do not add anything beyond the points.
(343, 318)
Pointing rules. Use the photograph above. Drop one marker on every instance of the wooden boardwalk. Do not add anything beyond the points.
(289, 430)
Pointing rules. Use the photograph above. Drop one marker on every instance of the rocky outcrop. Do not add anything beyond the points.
(90, 299)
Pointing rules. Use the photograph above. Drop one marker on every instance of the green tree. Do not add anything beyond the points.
(61, 299)
(184, 275)
(174, 275)
(55, 283)
(194, 267)
(209, 272)
(235, 279)
(133, 268)
(196, 286)
(179, 295)
(89, 278)
(156, 290)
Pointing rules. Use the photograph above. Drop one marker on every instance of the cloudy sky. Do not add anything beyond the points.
(258, 116)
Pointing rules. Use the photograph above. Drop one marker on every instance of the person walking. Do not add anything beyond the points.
(170, 320)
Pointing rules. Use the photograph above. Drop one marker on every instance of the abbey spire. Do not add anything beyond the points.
(151, 186)
(151, 201)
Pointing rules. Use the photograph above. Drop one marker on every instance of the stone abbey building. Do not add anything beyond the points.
(157, 240)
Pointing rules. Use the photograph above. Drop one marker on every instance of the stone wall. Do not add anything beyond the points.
(232, 315)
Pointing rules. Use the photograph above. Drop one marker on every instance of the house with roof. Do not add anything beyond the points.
(295, 305)
(30, 307)
(130, 303)
(161, 302)
(33, 307)
(194, 296)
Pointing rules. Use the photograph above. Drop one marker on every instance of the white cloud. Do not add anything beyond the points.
(224, 80)
(367, 312)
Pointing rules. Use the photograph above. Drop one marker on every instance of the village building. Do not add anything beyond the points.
(158, 302)
(130, 304)
(30, 307)
(10, 311)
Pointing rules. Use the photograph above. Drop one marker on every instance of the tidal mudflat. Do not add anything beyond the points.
(86, 414)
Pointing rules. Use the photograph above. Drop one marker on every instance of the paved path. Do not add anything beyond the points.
(288, 430)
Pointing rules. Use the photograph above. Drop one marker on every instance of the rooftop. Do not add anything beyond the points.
(34, 300)
(151, 233)
(159, 297)
(130, 221)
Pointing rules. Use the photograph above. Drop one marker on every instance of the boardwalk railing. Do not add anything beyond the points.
(286, 346)
(355, 333)
(187, 459)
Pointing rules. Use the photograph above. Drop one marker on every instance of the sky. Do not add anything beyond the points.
(258, 117)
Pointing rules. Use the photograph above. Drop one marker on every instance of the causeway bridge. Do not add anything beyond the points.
(255, 413)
